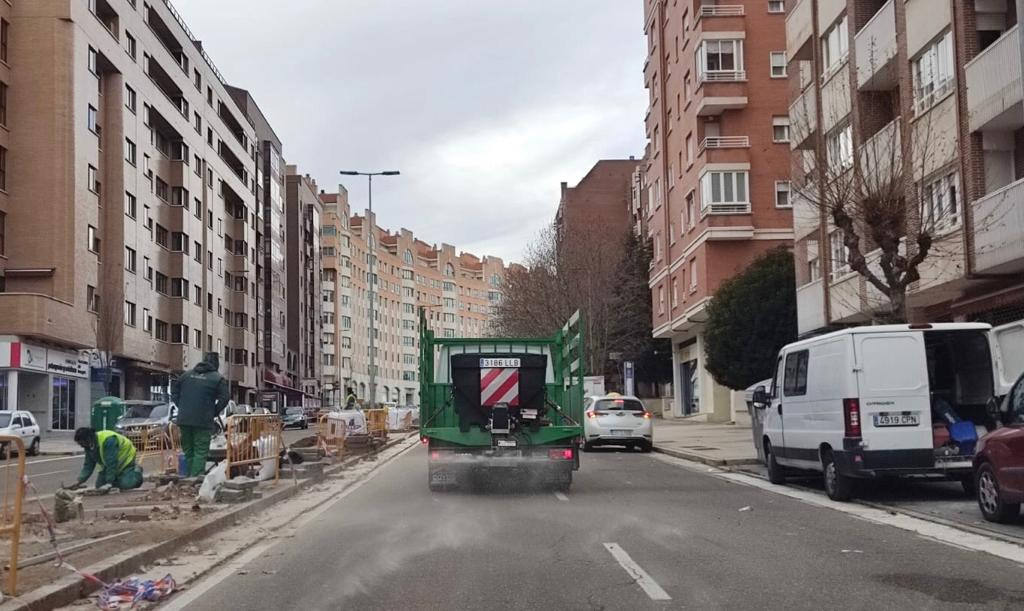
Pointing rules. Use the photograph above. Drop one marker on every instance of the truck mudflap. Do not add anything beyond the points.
(545, 465)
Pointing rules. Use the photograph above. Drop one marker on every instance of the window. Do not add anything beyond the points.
(163, 237)
(162, 283)
(179, 242)
(839, 148)
(719, 60)
(778, 64)
(940, 202)
(129, 314)
(4, 27)
(693, 275)
(197, 339)
(691, 217)
(661, 300)
(130, 98)
(795, 375)
(689, 149)
(92, 298)
(724, 192)
(92, 54)
(933, 73)
(839, 252)
(675, 292)
(197, 80)
(179, 333)
(93, 240)
(782, 194)
(129, 44)
(813, 264)
(780, 129)
(93, 120)
(179, 196)
(148, 269)
(3, 233)
(3, 169)
(129, 259)
(197, 252)
(3, 103)
(130, 153)
(834, 45)
(776, 6)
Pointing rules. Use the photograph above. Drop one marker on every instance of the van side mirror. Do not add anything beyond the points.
(760, 397)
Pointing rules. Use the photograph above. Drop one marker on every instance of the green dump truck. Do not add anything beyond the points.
(502, 408)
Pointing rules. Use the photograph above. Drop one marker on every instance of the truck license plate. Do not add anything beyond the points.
(500, 363)
(506, 443)
(889, 419)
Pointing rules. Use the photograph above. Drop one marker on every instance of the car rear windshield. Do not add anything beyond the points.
(5, 420)
(294, 411)
(609, 405)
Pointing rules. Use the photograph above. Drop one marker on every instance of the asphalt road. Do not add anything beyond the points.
(635, 532)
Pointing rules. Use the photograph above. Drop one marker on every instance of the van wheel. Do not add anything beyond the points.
(990, 498)
(775, 474)
(839, 487)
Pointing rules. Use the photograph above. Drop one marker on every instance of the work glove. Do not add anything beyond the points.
(105, 488)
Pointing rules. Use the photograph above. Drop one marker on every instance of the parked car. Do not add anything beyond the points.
(139, 413)
(859, 403)
(295, 417)
(20, 424)
(999, 463)
(619, 420)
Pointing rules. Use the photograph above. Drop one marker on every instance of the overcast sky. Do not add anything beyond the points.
(483, 105)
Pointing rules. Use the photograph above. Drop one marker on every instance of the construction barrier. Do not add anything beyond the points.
(377, 423)
(12, 494)
(331, 431)
(400, 419)
(253, 439)
(156, 447)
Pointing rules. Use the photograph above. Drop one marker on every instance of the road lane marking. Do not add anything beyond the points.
(39, 462)
(48, 473)
(205, 584)
(561, 497)
(640, 576)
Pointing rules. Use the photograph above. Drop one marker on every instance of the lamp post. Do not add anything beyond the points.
(373, 268)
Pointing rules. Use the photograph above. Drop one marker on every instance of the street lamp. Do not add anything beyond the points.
(373, 268)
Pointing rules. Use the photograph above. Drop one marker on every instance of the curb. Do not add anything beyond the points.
(73, 587)
(711, 462)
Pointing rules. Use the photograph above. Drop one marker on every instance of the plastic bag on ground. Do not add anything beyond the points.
(213, 480)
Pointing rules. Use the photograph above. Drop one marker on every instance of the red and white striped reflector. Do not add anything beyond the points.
(499, 385)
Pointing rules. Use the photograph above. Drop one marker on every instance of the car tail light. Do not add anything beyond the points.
(648, 415)
(851, 417)
(595, 414)
(562, 454)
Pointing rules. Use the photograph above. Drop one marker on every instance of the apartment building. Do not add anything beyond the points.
(303, 217)
(145, 244)
(937, 81)
(457, 291)
(600, 202)
(716, 167)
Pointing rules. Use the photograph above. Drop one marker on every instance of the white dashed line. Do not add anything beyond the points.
(645, 581)
(561, 497)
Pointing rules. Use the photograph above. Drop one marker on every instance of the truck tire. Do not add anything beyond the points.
(838, 487)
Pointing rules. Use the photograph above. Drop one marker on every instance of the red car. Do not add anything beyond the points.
(999, 462)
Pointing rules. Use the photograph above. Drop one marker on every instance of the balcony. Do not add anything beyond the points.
(721, 90)
(719, 10)
(875, 46)
(810, 307)
(998, 239)
(800, 30)
(803, 119)
(879, 154)
(994, 85)
(724, 149)
(835, 97)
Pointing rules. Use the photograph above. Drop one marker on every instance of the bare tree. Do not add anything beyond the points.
(109, 330)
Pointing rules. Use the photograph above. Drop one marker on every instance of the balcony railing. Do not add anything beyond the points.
(719, 76)
(993, 84)
(998, 239)
(723, 142)
(875, 45)
(720, 10)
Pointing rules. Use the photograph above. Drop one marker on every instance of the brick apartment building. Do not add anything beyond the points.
(941, 72)
(303, 214)
(600, 201)
(128, 203)
(717, 167)
(458, 291)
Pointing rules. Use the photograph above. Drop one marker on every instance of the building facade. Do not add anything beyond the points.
(939, 78)
(716, 168)
(303, 214)
(128, 207)
(600, 202)
(456, 290)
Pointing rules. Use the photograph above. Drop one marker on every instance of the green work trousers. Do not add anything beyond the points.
(195, 444)
(128, 479)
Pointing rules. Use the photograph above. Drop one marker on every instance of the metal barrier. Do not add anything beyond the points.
(156, 447)
(331, 434)
(377, 422)
(12, 494)
(252, 439)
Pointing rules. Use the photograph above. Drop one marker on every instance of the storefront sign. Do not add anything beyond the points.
(30, 357)
(67, 363)
(21, 355)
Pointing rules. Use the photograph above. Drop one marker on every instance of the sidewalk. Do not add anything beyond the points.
(712, 444)
(59, 443)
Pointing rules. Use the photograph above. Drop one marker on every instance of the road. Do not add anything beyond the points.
(636, 531)
(48, 472)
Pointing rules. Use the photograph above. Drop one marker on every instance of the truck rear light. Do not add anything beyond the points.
(435, 455)
(851, 417)
(424, 440)
(562, 454)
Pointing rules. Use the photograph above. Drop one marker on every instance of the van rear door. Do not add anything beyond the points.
(892, 383)
(1008, 349)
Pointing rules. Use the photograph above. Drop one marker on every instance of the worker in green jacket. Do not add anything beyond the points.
(200, 394)
(114, 453)
(350, 398)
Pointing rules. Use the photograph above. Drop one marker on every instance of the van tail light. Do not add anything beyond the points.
(851, 417)
(560, 454)
(648, 415)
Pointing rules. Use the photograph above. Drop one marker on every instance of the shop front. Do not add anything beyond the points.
(50, 382)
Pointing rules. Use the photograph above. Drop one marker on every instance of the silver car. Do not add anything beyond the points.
(618, 420)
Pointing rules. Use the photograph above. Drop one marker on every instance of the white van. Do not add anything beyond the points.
(858, 403)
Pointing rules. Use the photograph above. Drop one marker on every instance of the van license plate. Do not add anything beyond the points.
(885, 419)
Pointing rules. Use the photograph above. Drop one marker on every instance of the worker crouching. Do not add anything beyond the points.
(114, 453)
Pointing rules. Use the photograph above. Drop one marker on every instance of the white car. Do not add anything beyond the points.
(618, 420)
(20, 424)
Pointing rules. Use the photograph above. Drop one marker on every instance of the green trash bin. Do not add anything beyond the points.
(105, 412)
